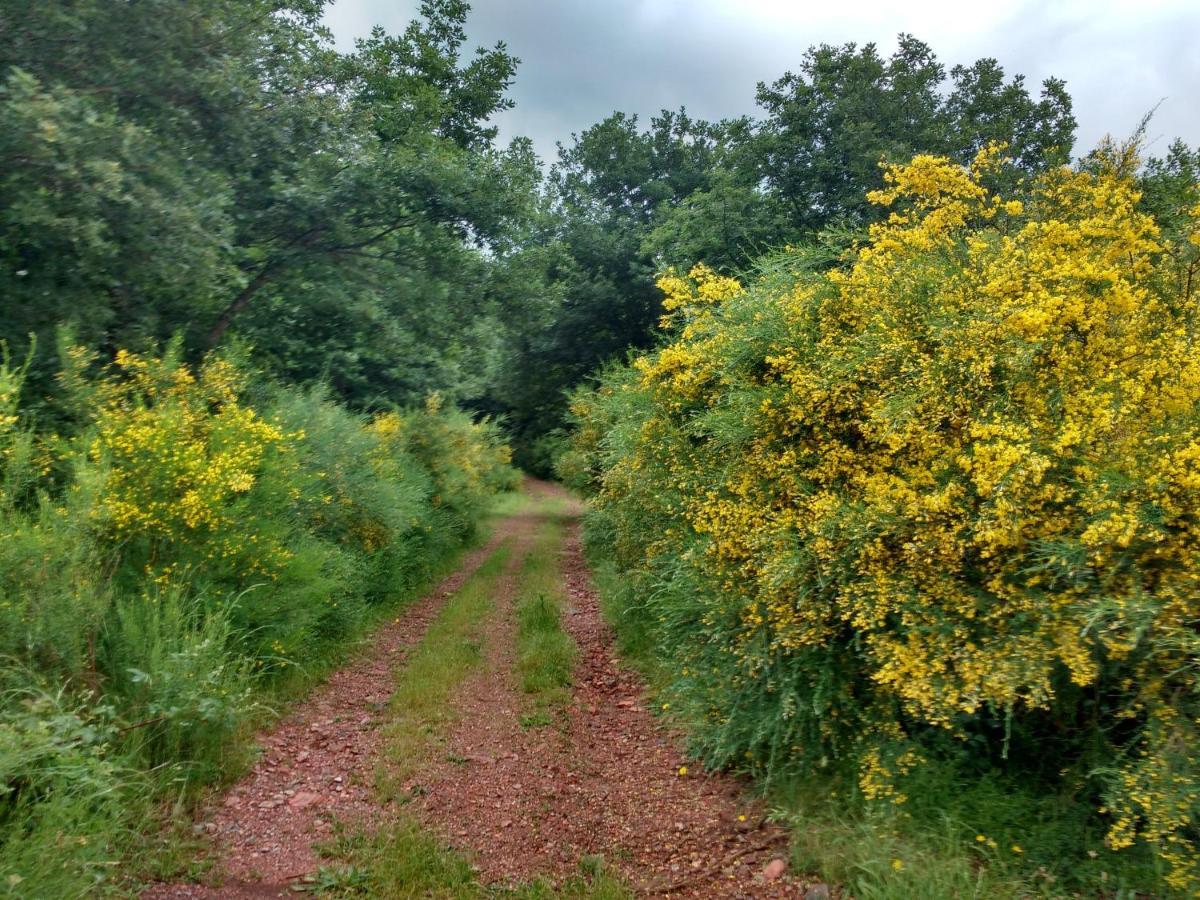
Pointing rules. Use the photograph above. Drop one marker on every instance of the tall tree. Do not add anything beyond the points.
(217, 165)
(847, 109)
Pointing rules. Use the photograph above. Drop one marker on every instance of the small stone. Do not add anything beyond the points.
(303, 799)
(267, 804)
(817, 892)
(775, 869)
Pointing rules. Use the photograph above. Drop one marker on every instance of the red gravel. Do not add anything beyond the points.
(533, 802)
(520, 803)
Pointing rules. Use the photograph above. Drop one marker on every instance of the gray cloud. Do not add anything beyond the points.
(581, 60)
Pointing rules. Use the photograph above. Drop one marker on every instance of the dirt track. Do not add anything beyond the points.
(519, 802)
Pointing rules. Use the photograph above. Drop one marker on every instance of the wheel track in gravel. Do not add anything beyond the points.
(526, 803)
(318, 765)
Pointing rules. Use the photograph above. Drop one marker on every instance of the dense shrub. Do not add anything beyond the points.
(175, 553)
(945, 487)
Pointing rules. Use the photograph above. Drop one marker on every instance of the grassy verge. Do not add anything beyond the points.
(450, 649)
(545, 652)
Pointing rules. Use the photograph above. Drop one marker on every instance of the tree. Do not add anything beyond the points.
(218, 166)
(848, 109)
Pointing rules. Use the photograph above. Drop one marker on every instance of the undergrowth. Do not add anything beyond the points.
(184, 550)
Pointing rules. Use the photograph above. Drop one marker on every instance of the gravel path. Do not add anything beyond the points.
(528, 803)
(521, 803)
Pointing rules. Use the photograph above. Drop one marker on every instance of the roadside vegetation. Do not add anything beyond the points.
(183, 552)
(909, 531)
(885, 399)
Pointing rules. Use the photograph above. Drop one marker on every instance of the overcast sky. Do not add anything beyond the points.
(581, 59)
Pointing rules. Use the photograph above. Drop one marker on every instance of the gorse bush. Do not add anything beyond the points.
(939, 496)
(175, 555)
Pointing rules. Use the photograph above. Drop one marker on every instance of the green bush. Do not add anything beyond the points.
(932, 502)
(176, 556)
(67, 798)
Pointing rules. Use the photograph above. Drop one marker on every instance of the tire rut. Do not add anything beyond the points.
(318, 765)
(533, 803)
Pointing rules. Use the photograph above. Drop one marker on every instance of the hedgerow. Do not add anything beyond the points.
(175, 554)
(941, 491)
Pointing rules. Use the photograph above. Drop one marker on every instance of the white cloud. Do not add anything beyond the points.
(582, 59)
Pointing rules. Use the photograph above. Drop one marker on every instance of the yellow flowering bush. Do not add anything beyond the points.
(180, 450)
(946, 483)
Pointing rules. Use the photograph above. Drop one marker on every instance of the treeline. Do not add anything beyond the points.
(632, 200)
(214, 169)
(264, 300)
(219, 172)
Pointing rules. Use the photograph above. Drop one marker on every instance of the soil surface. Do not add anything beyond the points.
(603, 781)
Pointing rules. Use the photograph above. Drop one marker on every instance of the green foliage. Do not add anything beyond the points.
(173, 659)
(178, 560)
(191, 171)
(67, 798)
(633, 202)
(901, 513)
(830, 124)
